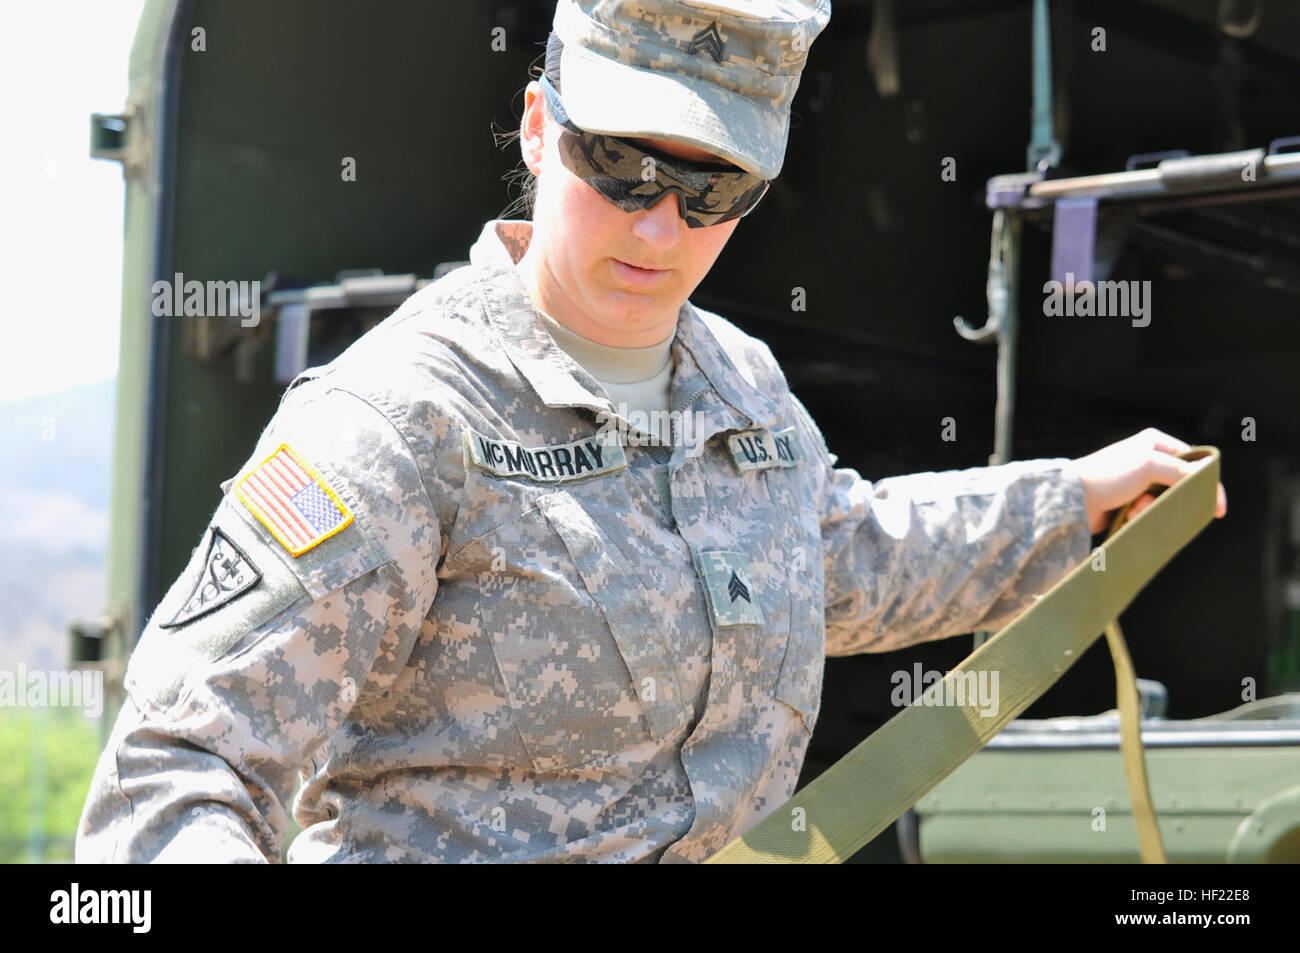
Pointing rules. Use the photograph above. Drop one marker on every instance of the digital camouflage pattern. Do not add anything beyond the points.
(718, 74)
(483, 666)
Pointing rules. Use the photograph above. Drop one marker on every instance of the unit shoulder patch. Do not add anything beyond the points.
(227, 572)
(292, 500)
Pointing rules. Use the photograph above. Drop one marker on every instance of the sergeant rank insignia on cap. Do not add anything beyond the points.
(709, 40)
(293, 501)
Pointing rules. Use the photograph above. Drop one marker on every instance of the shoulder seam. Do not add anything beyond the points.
(415, 460)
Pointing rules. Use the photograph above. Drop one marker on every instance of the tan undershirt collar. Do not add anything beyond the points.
(614, 365)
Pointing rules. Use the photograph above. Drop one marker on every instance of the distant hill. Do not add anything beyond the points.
(54, 497)
(60, 443)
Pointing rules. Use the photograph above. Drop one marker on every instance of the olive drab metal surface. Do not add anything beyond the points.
(1052, 790)
(141, 138)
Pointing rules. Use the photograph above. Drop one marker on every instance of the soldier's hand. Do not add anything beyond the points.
(1116, 474)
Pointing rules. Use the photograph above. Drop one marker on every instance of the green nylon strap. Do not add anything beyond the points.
(867, 789)
(1150, 847)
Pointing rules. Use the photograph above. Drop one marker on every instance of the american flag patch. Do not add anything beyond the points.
(293, 501)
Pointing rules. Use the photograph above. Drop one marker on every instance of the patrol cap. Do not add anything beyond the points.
(716, 74)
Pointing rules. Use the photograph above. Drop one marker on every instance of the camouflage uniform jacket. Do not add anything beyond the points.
(528, 641)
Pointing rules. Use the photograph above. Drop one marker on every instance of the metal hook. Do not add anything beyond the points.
(1003, 250)
(1239, 28)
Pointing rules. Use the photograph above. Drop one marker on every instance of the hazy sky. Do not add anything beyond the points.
(60, 211)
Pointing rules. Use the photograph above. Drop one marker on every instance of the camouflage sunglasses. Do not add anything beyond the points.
(633, 177)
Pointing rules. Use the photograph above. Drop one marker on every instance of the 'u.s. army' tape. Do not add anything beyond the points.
(760, 449)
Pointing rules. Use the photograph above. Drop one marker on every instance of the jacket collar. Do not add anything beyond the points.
(559, 380)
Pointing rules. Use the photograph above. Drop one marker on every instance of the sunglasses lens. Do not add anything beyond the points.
(635, 179)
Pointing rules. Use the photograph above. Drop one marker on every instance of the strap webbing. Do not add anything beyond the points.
(1150, 847)
(867, 789)
(1130, 746)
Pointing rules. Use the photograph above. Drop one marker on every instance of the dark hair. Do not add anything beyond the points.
(521, 176)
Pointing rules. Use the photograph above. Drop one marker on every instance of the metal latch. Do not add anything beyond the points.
(100, 645)
(1153, 698)
(121, 138)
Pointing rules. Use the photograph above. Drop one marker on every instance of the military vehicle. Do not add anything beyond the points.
(318, 162)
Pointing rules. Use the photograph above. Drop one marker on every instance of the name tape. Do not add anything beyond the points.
(590, 456)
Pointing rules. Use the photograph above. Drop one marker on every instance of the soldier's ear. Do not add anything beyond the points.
(533, 128)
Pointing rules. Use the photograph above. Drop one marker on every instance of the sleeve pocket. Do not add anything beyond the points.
(800, 683)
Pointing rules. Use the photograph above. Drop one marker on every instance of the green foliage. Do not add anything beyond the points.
(47, 757)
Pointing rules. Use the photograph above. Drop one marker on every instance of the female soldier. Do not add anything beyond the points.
(546, 566)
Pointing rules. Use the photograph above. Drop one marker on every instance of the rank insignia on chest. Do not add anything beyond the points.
(293, 501)
(576, 460)
(730, 590)
(760, 449)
